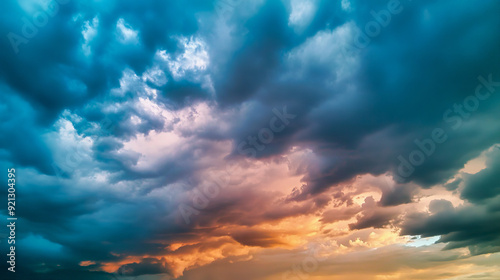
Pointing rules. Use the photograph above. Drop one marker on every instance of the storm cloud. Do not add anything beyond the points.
(157, 138)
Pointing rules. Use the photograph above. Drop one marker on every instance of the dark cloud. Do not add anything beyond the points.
(485, 184)
(393, 105)
(146, 266)
(21, 137)
(440, 205)
(257, 238)
(254, 64)
(400, 194)
(61, 274)
(467, 226)
(371, 216)
(471, 225)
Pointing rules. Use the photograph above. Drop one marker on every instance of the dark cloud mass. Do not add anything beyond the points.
(472, 225)
(117, 113)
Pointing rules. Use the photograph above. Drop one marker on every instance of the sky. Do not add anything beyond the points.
(251, 140)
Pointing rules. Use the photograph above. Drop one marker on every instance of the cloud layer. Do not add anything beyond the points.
(186, 140)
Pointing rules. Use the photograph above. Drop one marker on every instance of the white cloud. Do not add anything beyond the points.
(302, 13)
(194, 58)
(328, 49)
(125, 32)
(89, 30)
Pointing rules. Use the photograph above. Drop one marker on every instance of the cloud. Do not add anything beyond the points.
(371, 216)
(469, 225)
(117, 113)
(400, 194)
(146, 266)
(484, 185)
